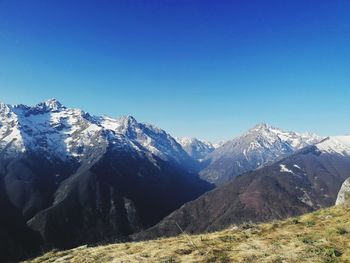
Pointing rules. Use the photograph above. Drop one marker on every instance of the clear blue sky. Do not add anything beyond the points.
(210, 69)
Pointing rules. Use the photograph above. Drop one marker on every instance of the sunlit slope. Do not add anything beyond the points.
(322, 236)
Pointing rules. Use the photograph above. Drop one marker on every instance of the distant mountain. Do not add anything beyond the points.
(75, 178)
(305, 181)
(261, 145)
(196, 148)
(219, 144)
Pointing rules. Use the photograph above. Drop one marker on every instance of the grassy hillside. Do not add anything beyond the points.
(322, 236)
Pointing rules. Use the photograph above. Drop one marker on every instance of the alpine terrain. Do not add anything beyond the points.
(69, 178)
(308, 180)
(261, 145)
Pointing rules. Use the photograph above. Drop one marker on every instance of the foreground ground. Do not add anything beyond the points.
(322, 236)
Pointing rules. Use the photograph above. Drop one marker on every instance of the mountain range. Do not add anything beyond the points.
(69, 178)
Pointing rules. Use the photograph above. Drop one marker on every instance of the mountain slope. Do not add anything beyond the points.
(17, 240)
(308, 180)
(321, 236)
(261, 145)
(112, 198)
(77, 178)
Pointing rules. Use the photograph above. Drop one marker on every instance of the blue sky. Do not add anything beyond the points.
(210, 69)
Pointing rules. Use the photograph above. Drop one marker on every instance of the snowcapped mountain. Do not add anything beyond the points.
(70, 178)
(48, 127)
(196, 148)
(261, 145)
(71, 133)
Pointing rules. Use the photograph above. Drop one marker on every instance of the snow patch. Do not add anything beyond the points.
(284, 169)
(297, 166)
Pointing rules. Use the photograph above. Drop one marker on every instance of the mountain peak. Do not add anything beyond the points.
(262, 126)
(3, 106)
(50, 104)
(263, 129)
(128, 120)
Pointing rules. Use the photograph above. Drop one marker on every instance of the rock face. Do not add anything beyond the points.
(307, 180)
(260, 146)
(68, 178)
(344, 193)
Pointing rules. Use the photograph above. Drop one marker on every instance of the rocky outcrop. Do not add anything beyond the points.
(344, 193)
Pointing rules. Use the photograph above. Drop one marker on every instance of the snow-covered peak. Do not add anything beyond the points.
(50, 128)
(146, 137)
(186, 141)
(257, 147)
(197, 149)
(265, 139)
(4, 108)
(152, 138)
(272, 134)
(50, 104)
(121, 125)
(261, 126)
(335, 145)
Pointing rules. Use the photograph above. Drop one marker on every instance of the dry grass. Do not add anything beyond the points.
(322, 236)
